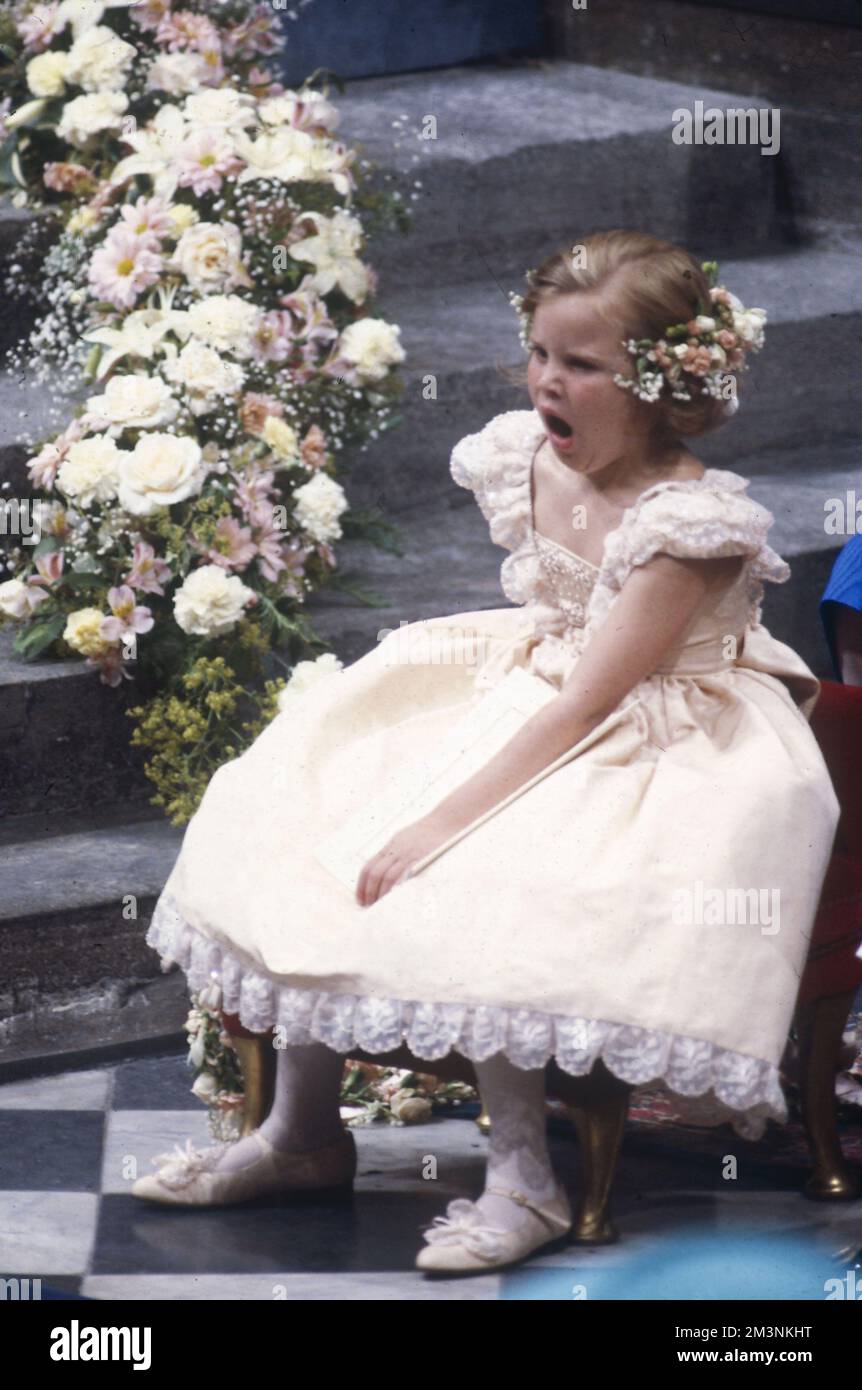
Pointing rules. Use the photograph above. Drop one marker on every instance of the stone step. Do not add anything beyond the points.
(75, 966)
(531, 156)
(64, 740)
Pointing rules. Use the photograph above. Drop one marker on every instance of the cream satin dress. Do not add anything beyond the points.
(582, 917)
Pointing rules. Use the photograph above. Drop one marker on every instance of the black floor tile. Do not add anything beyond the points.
(155, 1083)
(375, 1232)
(51, 1150)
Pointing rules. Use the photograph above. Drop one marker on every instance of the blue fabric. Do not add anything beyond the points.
(364, 38)
(844, 586)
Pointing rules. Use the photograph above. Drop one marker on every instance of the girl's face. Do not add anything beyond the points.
(574, 353)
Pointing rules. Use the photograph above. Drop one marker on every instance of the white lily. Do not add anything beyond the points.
(142, 333)
(334, 254)
(284, 154)
(25, 112)
(155, 151)
(85, 14)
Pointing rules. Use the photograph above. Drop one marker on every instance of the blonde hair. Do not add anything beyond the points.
(649, 285)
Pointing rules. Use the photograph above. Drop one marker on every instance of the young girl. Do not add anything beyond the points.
(632, 874)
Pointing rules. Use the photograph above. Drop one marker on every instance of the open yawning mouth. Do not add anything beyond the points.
(559, 430)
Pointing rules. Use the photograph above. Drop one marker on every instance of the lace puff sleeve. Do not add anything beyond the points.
(697, 519)
(494, 463)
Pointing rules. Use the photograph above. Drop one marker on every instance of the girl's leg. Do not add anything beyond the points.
(305, 1112)
(518, 1154)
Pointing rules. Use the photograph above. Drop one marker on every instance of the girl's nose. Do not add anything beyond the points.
(549, 375)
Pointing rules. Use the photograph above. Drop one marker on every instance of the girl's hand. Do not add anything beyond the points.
(391, 864)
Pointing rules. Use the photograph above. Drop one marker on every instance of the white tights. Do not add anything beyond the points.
(305, 1115)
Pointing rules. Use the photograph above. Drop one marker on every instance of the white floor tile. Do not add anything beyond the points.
(46, 1232)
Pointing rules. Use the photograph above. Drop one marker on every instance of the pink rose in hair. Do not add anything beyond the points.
(697, 360)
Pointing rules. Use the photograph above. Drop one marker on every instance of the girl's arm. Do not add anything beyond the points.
(655, 606)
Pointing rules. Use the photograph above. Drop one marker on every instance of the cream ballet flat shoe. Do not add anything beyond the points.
(462, 1242)
(186, 1177)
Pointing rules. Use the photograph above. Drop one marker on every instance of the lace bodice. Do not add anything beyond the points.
(571, 578)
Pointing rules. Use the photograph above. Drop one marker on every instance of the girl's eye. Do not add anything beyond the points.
(570, 361)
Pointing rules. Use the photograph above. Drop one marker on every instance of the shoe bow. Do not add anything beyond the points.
(463, 1225)
(182, 1165)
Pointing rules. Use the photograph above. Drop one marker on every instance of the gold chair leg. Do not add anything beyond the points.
(820, 1024)
(600, 1119)
(484, 1121)
(257, 1060)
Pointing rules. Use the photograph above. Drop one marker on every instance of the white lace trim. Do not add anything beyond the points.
(743, 1090)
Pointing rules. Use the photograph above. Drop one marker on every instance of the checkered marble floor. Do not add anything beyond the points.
(71, 1145)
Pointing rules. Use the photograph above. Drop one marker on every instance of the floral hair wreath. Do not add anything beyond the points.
(699, 354)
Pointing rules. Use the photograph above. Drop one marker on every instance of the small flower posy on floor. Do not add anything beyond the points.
(369, 1093)
(198, 238)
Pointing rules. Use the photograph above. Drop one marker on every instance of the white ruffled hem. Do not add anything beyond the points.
(710, 1085)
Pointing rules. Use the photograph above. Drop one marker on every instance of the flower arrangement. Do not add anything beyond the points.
(208, 296)
(369, 1093)
(690, 357)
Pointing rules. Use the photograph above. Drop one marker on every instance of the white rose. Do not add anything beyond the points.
(280, 436)
(205, 1085)
(135, 402)
(220, 107)
(160, 470)
(82, 632)
(373, 346)
(305, 108)
(182, 216)
(90, 471)
(225, 322)
(704, 323)
(306, 674)
(318, 505)
(210, 601)
(177, 73)
(205, 376)
(208, 255)
(749, 325)
(88, 115)
(46, 74)
(15, 599)
(99, 60)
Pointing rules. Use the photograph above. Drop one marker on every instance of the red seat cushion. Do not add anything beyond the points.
(833, 966)
(836, 723)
